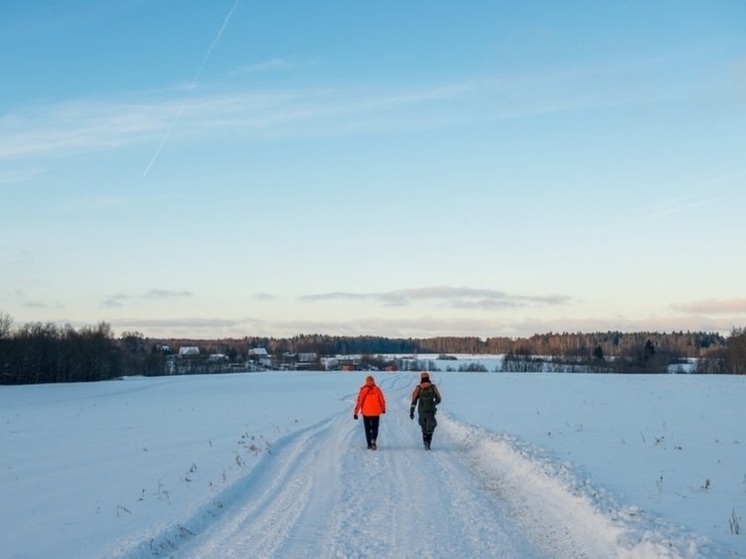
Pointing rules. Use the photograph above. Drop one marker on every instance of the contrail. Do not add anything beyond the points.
(192, 87)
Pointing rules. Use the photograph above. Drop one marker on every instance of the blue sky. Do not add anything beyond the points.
(233, 168)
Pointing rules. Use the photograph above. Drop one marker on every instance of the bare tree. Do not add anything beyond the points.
(6, 325)
(736, 354)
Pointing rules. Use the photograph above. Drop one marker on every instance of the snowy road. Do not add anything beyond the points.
(321, 494)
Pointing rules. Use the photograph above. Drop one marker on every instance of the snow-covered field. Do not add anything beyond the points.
(273, 465)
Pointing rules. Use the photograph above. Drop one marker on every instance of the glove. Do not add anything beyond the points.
(411, 412)
(354, 416)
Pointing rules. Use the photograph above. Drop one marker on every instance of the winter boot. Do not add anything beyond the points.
(428, 439)
(373, 445)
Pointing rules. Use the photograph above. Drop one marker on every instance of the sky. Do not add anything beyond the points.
(274, 465)
(417, 169)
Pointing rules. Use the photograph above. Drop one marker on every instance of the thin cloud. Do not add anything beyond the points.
(739, 72)
(192, 327)
(166, 294)
(83, 126)
(116, 300)
(272, 65)
(338, 295)
(90, 125)
(713, 306)
(707, 192)
(36, 305)
(422, 326)
(19, 175)
(121, 299)
(91, 204)
(20, 257)
(454, 297)
(177, 324)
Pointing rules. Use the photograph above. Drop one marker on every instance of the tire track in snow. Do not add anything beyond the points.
(274, 498)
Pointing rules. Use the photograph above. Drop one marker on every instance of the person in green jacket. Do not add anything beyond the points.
(426, 397)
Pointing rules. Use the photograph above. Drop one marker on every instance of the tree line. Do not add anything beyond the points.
(48, 353)
(611, 344)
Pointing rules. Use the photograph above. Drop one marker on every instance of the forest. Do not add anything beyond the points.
(47, 353)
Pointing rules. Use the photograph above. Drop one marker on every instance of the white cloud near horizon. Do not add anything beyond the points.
(166, 294)
(713, 306)
(423, 326)
(119, 299)
(454, 297)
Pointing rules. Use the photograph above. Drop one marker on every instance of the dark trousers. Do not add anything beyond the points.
(427, 423)
(370, 423)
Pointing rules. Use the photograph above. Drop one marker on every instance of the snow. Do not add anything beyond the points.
(273, 465)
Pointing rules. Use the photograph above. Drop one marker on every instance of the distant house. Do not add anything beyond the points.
(217, 358)
(259, 356)
(307, 361)
(329, 363)
(188, 351)
(348, 362)
(289, 361)
(295, 361)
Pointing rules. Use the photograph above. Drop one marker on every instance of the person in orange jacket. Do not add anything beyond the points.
(371, 404)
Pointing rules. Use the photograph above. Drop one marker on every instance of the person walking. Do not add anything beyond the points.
(371, 404)
(426, 397)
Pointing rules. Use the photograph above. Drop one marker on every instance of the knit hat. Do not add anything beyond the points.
(370, 380)
(425, 375)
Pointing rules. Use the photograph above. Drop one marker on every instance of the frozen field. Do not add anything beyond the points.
(272, 465)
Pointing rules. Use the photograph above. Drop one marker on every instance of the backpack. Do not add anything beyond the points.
(427, 398)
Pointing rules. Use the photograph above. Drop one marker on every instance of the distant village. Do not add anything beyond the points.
(190, 360)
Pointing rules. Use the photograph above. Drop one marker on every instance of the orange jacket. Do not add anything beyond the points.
(370, 400)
